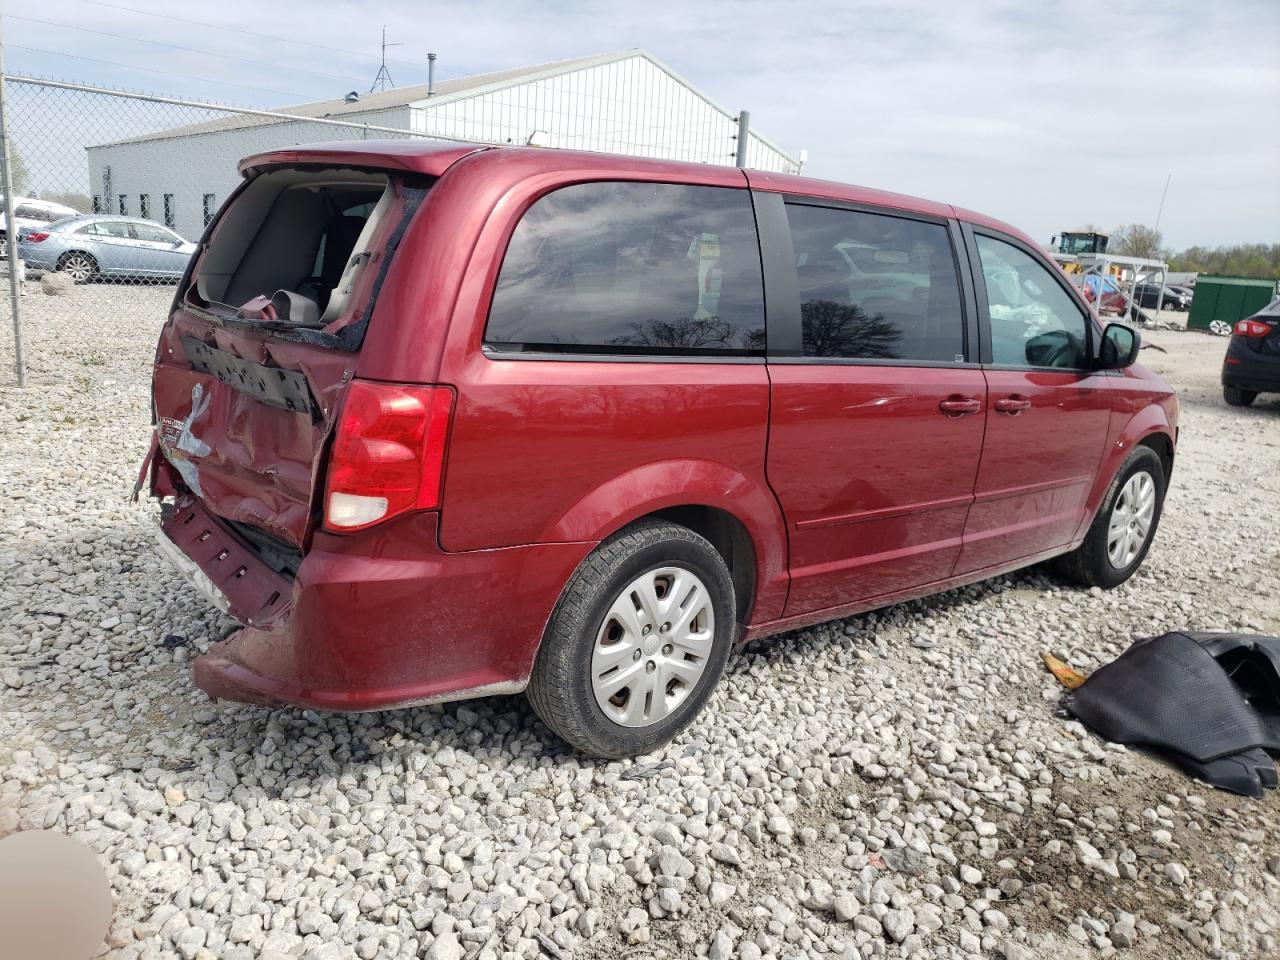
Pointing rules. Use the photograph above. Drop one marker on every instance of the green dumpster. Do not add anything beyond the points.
(1227, 299)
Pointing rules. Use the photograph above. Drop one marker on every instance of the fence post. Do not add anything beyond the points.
(744, 135)
(11, 244)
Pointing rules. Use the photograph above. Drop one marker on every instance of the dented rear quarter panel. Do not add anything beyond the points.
(384, 617)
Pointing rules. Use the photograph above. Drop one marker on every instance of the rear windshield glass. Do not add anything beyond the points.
(302, 250)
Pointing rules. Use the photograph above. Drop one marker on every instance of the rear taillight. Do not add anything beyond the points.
(34, 237)
(388, 453)
(1251, 328)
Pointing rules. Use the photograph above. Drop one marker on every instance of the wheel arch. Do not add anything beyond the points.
(738, 515)
(731, 540)
(1162, 444)
(1149, 428)
(66, 255)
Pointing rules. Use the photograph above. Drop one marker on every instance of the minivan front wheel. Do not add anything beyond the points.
(1121, 533)
(637, 642)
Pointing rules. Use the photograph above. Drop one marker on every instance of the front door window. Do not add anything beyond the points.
(1034, 321)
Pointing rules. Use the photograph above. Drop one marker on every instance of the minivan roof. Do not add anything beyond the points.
(434, 157)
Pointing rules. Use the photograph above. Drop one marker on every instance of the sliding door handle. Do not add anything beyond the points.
(1013, 405)
(958, 406)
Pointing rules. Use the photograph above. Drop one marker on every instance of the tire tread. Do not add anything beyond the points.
(1084, 565)
(555, 670)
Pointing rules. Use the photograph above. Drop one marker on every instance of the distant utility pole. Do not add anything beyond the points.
(384, 75)
(1160, 212)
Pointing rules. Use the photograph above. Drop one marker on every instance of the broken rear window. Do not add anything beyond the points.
(303, 250)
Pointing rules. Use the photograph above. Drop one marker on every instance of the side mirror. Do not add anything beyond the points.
(1120, 346)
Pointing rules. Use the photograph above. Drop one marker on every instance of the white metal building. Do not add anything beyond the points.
(628, 102)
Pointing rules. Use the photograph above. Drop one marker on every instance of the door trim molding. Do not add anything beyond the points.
(1022, 490)
(886, 513)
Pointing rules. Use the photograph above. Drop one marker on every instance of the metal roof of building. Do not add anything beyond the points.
(444, 91)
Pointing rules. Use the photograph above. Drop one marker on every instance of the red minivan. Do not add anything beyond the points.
(436, 422)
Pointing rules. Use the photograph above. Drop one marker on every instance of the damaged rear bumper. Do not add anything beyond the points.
(383, 618)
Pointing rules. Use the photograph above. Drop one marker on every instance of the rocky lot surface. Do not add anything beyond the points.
(898, 784)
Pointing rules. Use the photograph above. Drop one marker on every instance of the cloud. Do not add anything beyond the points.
(1046, 115)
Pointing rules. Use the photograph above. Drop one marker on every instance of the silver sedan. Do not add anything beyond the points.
(99, 245)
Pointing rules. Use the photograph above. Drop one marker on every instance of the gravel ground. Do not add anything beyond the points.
(891, 785)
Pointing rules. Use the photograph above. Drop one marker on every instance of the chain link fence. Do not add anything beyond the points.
(149, 172)
(146, 174)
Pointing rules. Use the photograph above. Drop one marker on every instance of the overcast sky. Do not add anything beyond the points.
(1048, 115)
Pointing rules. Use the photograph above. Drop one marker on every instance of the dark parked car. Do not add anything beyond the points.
(1148, 296)
(101, 245)
(436, 422)
(1252, 363)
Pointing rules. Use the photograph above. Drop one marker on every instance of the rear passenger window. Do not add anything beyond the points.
(876, 287)
(1034, 322)
(632, 268)
(113, 228)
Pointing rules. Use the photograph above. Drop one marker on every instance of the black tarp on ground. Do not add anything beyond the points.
(1208, 701)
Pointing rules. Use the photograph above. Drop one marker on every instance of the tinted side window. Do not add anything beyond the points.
(146, 231)
(633, 267)
(875, 286)
(1034, 322)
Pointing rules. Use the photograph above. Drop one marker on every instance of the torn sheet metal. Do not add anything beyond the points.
(286, 389)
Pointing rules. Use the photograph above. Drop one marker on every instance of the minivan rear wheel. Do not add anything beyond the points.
(1121, 533)
(637, 642)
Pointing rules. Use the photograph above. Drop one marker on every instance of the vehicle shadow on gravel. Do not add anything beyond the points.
(156, 624)
(505, 730)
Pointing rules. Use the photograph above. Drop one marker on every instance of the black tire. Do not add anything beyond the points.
(71, 261)
(1236, 397)
(1089, 565)
(560, 689)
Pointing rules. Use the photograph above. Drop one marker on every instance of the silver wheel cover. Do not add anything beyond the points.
(78, 268)
(652, 646)
(1131, 518)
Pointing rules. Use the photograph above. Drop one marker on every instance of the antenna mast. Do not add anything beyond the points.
(1164, 193)
(384, 75)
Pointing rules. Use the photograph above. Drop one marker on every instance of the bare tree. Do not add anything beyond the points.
(845, 330)
(682, 334)
(1136, 240)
